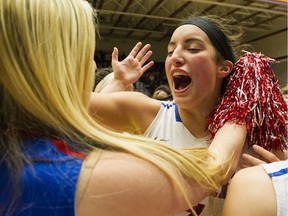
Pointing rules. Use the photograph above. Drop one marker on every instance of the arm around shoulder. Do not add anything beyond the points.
(124, 111)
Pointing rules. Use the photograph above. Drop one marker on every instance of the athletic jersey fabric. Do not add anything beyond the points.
(278, 171)
(168, 127)
(48, 185)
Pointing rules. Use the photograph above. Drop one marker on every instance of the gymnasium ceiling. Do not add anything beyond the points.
(154, 20)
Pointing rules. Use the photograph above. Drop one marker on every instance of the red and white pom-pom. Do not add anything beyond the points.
(253, 98)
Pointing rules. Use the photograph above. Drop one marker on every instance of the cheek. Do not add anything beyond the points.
(167, 64)
(203, 64)
(200, 60)
(204, 72)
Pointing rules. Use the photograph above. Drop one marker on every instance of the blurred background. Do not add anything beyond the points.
(122, 23)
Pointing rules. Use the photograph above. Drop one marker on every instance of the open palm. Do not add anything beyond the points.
(133, 66)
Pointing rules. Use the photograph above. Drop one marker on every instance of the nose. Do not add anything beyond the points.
(176, 57)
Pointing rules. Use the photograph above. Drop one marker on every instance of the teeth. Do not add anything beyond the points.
(179, 73)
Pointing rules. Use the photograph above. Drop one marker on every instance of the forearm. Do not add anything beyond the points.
(227, 146)
(114, 85)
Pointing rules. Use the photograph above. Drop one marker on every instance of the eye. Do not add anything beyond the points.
(170, 53)
(193, 50)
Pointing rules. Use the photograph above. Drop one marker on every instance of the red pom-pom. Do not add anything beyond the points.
(253, 98)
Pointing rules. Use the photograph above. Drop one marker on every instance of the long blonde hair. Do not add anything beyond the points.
(46, 66)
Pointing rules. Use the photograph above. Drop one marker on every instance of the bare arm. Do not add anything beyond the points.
(118, 109)
(228, 144)
(124, 111)
(122, 184)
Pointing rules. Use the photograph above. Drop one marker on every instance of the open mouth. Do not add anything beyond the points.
(181, 81)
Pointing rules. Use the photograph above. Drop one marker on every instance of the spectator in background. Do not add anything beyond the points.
(100, 74)
(139, 86)
(162, 92)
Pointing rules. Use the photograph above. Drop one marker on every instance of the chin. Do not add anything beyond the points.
(182, 101)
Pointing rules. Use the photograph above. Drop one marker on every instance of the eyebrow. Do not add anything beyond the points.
(187, 41)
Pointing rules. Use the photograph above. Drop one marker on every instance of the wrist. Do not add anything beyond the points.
(118, 84)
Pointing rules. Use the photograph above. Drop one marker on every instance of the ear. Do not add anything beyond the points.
(225, 68)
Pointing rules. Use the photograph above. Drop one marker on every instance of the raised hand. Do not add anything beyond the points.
(133, 66)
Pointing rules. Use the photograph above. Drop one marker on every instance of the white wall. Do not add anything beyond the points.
(275, 46)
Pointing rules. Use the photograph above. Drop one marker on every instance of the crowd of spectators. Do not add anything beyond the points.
(149, 81)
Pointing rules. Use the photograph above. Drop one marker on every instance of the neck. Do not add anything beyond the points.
(196, 123)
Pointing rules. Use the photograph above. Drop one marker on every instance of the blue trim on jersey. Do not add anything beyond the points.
(167, 105)
(178, 118)
(279, 173)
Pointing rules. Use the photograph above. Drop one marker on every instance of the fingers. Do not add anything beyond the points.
(249, 160)
(135, 49)
(147, 66)
(144, 54)
(145, 57)
(141, 55)
(266, 155)
(242, 166)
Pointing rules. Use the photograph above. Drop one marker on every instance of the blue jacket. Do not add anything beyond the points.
(48, 186)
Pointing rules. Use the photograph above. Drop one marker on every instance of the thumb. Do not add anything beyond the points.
(114, 56)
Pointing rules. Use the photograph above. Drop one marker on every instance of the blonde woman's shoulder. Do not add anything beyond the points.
(122, 184)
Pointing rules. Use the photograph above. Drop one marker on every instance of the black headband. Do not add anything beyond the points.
(216, 36)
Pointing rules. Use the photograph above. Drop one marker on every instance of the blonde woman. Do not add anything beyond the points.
(55, 159)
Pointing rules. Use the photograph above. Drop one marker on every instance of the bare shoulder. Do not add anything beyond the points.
(121, 184)
(250, 193)
(249, 175)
